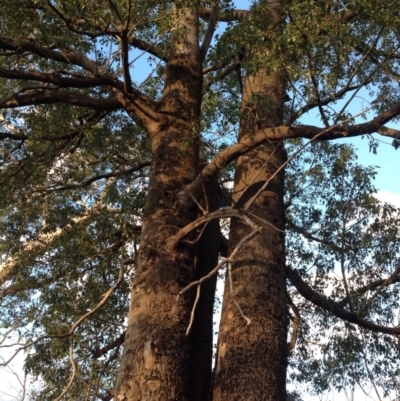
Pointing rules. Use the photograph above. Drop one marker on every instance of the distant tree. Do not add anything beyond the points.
(123, 124)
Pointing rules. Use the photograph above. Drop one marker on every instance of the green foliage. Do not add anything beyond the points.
(339, 235)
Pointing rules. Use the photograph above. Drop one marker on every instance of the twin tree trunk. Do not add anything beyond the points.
(158, 358)
(159, 361)
(252, 358)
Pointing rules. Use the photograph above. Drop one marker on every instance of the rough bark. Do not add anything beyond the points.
(156, 363)
(252, 358)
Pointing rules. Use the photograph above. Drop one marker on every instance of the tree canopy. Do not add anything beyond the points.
(147, 146)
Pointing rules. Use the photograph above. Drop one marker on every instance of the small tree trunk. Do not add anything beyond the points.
(202, 330)
(251, 359)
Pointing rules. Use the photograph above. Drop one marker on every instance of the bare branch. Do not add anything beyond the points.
(193, 310)
(172, 242)
(228, 261)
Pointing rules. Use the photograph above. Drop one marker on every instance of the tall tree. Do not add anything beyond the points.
(258, 270)
(113, 187)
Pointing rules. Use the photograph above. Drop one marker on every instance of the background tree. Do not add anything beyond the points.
(112, 191)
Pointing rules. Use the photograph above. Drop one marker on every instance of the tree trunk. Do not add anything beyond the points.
(251, 359)
(157, 358)
(202, 330)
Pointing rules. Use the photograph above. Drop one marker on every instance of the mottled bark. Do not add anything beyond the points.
(156, 363)
(251, 359)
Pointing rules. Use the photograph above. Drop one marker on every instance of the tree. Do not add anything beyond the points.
(113, 190)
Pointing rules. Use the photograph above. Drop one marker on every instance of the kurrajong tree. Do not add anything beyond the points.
(123, 126)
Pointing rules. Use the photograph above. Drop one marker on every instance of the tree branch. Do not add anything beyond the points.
(125, 62)
(193, 190)
(58, 79)
(67, 56)
(334, 307)
(98, 177)
(43, 95)
(148, 48)
(212, 23)
(369, 287)
(296, 323)
(81, 319)
(323, 102)
(97, 353)
(307, 235)
(103, 31)
(71, 22)
(227, 16)
(41, 243)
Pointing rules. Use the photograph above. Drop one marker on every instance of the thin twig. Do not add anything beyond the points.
(204, 278)
(193, 310)
(229, 260)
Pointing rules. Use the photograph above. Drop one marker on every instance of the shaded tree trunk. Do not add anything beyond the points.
(251, 359)
(202, 330)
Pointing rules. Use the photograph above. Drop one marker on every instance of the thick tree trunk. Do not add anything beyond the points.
(158, 357)
(251, 359)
